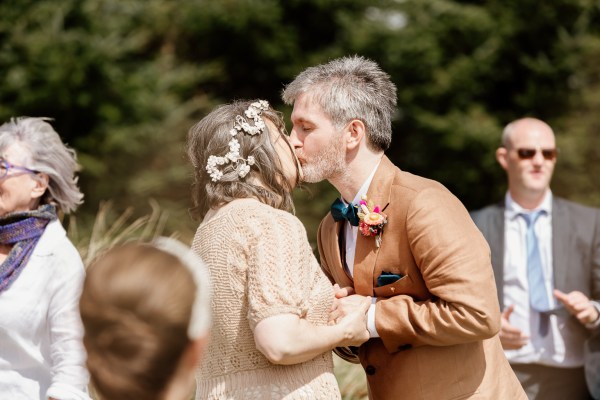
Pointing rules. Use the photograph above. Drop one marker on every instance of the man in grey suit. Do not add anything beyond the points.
(546, 258)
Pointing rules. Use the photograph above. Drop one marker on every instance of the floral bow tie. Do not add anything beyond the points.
(340, 211)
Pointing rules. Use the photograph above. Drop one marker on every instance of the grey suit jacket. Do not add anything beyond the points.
(576, 263)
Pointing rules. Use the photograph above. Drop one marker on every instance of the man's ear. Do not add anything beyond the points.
(41, 185)
(357, 131)
(501, 157)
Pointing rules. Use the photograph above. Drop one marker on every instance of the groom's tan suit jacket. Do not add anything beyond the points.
(438, 324)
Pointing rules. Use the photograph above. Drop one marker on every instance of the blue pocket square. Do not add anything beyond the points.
(387, 277)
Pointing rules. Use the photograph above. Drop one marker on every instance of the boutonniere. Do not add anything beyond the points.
(371, 219)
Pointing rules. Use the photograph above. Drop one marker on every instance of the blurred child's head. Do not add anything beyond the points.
(145, 309)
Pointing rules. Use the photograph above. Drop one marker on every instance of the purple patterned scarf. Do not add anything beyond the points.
(22, 230)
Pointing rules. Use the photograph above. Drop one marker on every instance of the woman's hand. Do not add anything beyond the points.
(350, 315)
(288, 339)
(345, 302)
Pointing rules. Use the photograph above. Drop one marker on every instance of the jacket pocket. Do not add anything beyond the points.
(401, 286)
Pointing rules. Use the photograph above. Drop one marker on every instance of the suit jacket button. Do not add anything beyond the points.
(370, 370)
(404, 347)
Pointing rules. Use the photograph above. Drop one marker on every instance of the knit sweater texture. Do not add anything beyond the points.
(261, 265)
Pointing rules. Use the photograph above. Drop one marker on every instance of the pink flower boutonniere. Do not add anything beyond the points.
(372, 219)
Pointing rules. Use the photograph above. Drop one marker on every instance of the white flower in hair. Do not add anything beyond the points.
(243, 170)
(241, 124)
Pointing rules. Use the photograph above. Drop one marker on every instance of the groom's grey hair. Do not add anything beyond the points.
(350, 88)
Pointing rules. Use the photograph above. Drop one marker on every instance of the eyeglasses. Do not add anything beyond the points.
(5, 166)
(528, 154)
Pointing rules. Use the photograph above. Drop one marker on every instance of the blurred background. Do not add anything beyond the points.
(125, 79)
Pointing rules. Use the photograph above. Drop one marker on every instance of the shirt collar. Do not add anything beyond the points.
(512, 209)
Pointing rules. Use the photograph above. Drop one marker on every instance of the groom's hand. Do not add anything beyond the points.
(340, 292)
(344, 306)
(511, 337)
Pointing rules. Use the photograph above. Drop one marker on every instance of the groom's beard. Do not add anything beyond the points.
(327, 163)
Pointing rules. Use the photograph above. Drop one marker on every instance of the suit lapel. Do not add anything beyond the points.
(332, 253)
(560, 241)
(366, 248)
(496, 239)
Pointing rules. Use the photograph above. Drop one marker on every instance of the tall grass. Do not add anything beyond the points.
(110, 229)
(351, 378)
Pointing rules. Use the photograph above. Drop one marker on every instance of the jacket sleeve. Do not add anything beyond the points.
(278, 277)
(454, 261)
(69, 375)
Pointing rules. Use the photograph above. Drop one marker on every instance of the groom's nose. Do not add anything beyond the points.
(295, 139)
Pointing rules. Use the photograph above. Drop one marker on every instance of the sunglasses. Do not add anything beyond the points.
(528, 154)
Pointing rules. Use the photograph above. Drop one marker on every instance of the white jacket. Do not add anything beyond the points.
(41, 349)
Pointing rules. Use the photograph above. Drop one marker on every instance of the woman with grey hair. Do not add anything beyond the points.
(41, 272)
(271, 301)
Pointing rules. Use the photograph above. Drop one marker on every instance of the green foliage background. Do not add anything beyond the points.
(125, 79)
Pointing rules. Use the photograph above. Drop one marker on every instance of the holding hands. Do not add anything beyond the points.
(349, 312)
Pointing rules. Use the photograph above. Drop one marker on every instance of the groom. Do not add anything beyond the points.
(411, 246)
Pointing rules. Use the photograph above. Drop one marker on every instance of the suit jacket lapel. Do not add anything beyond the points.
(495, 236)
(366, 248)
(561, 237)
(332, 253)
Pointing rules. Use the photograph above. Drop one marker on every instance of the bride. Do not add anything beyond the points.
(270, 338)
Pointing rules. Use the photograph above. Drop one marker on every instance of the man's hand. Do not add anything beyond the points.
(342, 292)
(511, 337)
(578, 305)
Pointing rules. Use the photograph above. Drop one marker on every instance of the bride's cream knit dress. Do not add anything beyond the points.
(261, 265)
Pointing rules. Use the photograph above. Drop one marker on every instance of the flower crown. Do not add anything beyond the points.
(241, 124)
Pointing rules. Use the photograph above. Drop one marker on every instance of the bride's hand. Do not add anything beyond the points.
(343, 306)
(352, 319)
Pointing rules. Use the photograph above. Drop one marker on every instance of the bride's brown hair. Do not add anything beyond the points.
(265, 181)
